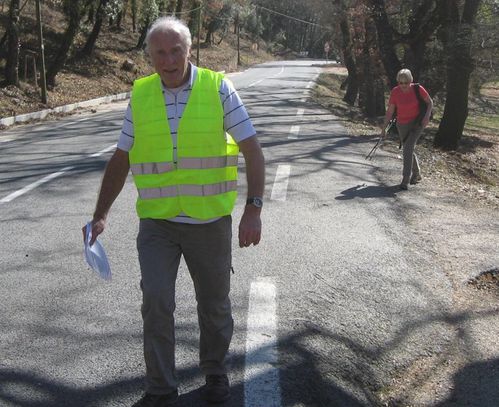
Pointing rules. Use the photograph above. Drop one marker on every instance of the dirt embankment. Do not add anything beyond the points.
(453, 213)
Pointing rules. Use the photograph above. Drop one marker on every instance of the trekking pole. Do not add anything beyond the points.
(372, 153)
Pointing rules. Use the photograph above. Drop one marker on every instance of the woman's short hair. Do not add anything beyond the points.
(404, 74)
(168, 24)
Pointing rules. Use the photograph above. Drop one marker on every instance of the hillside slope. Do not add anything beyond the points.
(115, 63)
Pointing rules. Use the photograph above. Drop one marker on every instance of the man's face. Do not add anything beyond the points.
(169, 58)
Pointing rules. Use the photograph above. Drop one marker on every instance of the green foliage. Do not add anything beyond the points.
(148, 12)
(252, 25)
(113, 8)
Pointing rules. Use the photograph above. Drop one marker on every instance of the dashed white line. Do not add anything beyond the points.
(256, 83)
(293, 132)
(103, 151)
(280, 187)
(261, 377)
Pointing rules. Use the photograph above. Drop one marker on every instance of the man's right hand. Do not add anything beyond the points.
(112, 184)
(98, 227)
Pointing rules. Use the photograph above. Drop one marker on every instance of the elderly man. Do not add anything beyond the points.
(183, 158)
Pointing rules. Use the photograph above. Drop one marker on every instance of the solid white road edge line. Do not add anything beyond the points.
(261, 377)
(280, 187)
(48, 178)
(35, 184)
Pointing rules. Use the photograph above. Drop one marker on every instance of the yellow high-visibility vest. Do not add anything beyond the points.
(203, 182)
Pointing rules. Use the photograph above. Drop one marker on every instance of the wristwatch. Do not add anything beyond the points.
(255, 201)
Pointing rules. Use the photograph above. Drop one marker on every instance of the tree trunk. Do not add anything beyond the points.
(143, 33)
(92, 38)
(170, 8)
(13, 45)
(459, 68)
(74, 14)
(349, 61)
(134, 15)
(372, 101)
(385, 40)
(210, 31)
(122, 14)
(178, 8)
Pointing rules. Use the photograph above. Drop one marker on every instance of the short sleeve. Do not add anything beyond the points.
(236, 119)
(125, 142)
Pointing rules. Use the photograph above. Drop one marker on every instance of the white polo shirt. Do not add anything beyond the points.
(236, 120)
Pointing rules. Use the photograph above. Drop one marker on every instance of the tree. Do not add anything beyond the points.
(148, 13)
(13, 45)
(219, 15)
(134, 10)
(371, 94)
(352, 83)
(92, 38)
(74, 11)
(457, 43)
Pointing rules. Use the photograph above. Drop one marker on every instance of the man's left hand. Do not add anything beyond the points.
(250, 227)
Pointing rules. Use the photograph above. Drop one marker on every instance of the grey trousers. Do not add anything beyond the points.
(411, 133)
(207, 252)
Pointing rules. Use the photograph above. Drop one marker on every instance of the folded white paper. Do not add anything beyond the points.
(95, 255)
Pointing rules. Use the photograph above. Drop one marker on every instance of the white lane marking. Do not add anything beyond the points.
(261, 377)
(255, 83)
(48, 178)
(261, 80)
(300, 112)
(103, 151)
(35, 184)
(280, 187)
(293, 133)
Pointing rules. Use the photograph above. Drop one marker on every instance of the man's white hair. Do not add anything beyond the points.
(170, 24)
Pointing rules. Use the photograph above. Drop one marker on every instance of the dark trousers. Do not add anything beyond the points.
(409, 134)
(207, 252)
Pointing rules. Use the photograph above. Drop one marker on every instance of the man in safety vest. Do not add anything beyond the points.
(183, 159)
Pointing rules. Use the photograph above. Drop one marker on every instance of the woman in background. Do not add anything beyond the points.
(411, 120)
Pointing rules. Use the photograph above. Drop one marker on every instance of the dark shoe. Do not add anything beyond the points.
(157, 400)
(216, 389)
(404, 187)
(415, 179)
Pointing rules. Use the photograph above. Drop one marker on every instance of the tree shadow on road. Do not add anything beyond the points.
(369, 191)
(475, 385)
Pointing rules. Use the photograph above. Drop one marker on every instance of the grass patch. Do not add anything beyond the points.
(488, 124)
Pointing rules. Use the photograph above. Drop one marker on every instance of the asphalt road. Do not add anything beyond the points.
(341, 300)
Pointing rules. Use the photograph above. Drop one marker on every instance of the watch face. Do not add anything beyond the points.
(258, 202)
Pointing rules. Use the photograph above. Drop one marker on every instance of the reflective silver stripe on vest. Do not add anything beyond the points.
(163, 192)
(192, 190)
(207, 162)
(151, 168)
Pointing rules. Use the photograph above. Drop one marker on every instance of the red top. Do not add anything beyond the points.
(407, 102)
